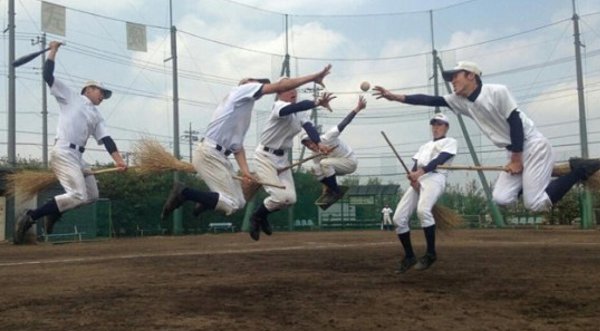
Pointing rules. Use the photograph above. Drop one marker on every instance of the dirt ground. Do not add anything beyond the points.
(483, 280)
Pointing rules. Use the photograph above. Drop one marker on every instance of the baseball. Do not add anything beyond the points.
(365, 86)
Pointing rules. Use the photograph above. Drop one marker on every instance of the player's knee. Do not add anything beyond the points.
(502, 199)
(537, 205)
(423, 214)
(286, 198)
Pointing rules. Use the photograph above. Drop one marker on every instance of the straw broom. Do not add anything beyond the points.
(445, 218)
(151, 157)
(25, 184)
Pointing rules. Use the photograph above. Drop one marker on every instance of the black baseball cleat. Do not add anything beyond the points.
(265, 226)
(589, 166)
(23, 224)
(174, 201)
(255, 227)
(50, 220)
(425, 262)
(198, 209)
(406, 264)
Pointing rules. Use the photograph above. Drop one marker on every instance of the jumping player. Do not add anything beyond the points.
(225, 136)
(340, 161)
(495, 112)
(78, 120)
(427, 184)
(287, 118)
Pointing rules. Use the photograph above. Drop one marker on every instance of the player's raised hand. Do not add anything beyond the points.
(324, 100)
(321, 75)
(54, 44)
(382, 93)
(362, 104)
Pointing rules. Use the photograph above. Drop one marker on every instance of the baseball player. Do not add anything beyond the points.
(287, 118)
(225, 136)
(427, 184)
(387, 220)
(78, 119)
(530, 158)
(340, 160)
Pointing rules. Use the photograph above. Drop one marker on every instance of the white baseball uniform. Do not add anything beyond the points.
(490, 111)
(341, 161)
(271, 154)
(432, 186)
(78, 120)
(387, 220)
(224, 136)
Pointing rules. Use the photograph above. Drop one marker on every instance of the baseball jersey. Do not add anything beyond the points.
(231, 119)
(279, 131)
(432, 149)
(386, 211)
(79, 118)
(331, 139)
(490, 111)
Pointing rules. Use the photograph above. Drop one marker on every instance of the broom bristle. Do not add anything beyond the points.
(151, 156)
(446, 218)
(26, 184)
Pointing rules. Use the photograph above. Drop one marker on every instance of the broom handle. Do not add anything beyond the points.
(302, 161)
(101, 171)
(395, 152)
(240, 178)
(465, 167)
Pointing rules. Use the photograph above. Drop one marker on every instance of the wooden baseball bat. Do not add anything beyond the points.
(27, 58)
(240, 178)
(477, 168)
(395, 152)
(302, 161)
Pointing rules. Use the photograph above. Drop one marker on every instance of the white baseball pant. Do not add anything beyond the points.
(266, 170)
(387, 220)
(432, 187)
(217, 172)
(68, 166)
(330, 166)
(538, 161)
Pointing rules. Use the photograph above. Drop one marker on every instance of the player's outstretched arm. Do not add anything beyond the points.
(382, 93)
(362, 104)
(292, 83)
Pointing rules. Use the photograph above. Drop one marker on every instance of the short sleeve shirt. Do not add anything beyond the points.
(78, 117)
(231, 119)
(279, 131)
(433, 149)
(490, 112)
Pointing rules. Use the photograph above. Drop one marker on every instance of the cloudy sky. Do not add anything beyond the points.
(526, 45)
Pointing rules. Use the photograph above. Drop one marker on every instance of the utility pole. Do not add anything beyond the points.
(191, 136)
(177, 214)
(11, 124)
(42, 41)
(434, 56)
(587, 210)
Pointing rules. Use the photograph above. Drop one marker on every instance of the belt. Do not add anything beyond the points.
(81, 149)
(220, 148)
(278, 152)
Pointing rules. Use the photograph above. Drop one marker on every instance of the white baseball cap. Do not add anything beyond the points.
(439, 117)
(461, 66)
(105, 92)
